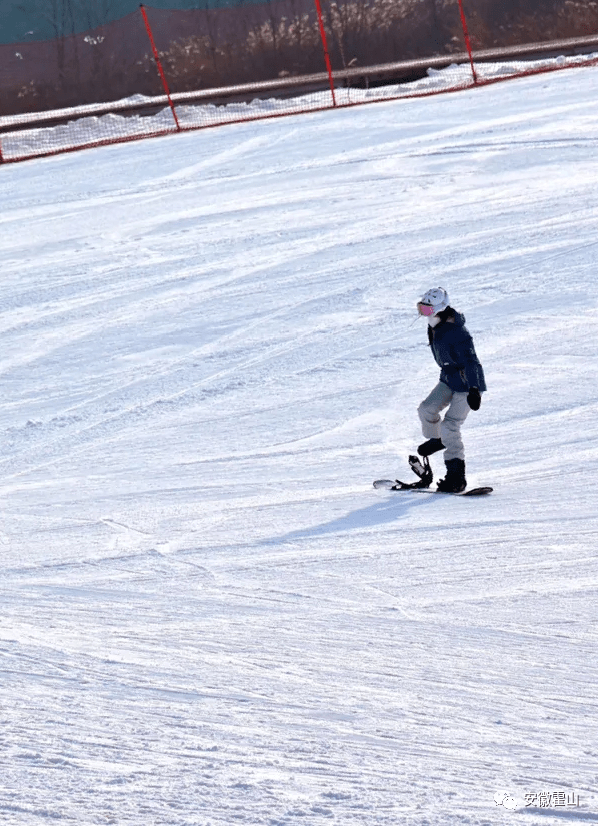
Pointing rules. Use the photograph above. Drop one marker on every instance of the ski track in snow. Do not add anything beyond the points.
(208, 615)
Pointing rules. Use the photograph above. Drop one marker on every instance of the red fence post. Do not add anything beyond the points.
(159, 65)
(325, 46)
(1, 155)
(467, 41)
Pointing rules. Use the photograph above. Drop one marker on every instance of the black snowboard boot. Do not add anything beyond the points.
(430, 447)
(454, 481)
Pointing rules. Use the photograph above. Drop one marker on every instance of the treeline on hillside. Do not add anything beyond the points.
(208, 47)
(512, 22)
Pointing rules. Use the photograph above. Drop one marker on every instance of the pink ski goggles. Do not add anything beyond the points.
(425, 309)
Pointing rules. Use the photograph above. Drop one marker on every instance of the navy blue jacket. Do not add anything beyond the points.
(453, 350)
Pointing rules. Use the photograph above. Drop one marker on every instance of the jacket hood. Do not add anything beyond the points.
(453, 316)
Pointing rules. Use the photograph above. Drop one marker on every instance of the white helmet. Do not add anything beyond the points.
(437, 299)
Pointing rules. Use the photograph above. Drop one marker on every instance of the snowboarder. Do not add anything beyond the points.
(460, 387)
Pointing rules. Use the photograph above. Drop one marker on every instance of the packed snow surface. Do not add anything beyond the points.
(210, 350)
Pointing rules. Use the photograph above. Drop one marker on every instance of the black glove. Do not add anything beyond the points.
(474, 398)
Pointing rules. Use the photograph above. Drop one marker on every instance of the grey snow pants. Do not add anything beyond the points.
(449, 428)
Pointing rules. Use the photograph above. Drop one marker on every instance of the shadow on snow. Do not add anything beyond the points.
(381, 513)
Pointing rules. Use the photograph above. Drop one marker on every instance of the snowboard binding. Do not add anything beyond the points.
(423, 470)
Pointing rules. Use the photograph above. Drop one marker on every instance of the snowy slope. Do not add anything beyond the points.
(209, 351)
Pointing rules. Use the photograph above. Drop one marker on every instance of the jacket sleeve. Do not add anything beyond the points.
(471, 370)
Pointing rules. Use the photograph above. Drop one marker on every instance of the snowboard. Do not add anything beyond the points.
(395, 485)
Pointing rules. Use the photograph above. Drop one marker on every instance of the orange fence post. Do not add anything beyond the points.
(325, 46)
(467, 41)
(159, 65)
